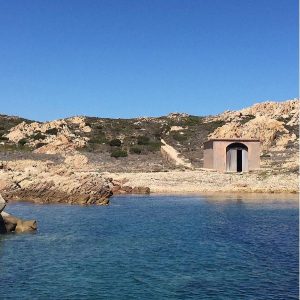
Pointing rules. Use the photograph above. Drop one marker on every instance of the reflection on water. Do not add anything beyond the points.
(156, 247)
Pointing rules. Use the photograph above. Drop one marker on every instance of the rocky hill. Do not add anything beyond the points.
(135, 144)
(87, 159)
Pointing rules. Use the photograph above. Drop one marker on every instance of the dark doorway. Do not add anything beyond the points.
(239, 158)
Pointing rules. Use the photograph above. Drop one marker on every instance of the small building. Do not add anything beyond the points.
(232, 155)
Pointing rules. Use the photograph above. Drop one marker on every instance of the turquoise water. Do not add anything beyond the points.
(154, 247)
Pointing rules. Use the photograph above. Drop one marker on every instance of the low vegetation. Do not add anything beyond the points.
(135, 150)
(115, 143)
(119, 153)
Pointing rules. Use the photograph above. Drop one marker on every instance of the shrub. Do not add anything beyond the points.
(143, 140)
(99, 138)
(212, 126)
(158, 134)
(52, 131)
(115, 143)
(38, 136)
(135, 150)
(179, 137)
(193, 120)
(247, 118)
(22, 142)
(4, 138)
(39, 145)
(154, 146)
(118, 153)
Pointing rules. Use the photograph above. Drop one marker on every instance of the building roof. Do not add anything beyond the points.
(233, 140)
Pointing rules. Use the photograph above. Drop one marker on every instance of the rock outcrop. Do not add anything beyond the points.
(73, 182)
(265, 121)
(51, 137)
(120, 187)
(56, 186)
(9, 223)
(261, 127)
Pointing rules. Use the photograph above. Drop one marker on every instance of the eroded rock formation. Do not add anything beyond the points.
(51, 137)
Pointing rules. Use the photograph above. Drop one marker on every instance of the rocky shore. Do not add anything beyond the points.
(47, 187)
(202, 181)
(71, 182)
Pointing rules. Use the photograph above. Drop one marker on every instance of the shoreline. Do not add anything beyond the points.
(224, 196)
(87, 186)
(211, 196)
(206, 182)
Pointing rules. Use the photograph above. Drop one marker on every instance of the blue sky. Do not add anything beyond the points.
(128, 58)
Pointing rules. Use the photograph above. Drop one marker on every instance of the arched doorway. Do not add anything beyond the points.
(237, 157)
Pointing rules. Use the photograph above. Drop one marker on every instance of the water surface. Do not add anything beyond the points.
(154, 247)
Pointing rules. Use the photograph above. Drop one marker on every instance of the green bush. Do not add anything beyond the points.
(8, 147)
(52, 131)
(115, 143)
(4, 138)
(247, 118)
(179, 137)
(39, 145)
(119, 153)
(98, 138)
(212, 126)
(135, 150)
(193, 120)
(22, 142)
(38, 136)
(154, 146)
(143, 140)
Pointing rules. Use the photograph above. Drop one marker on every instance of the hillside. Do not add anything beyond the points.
(135, 144)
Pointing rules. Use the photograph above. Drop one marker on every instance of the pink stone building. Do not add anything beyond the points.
(232, 155)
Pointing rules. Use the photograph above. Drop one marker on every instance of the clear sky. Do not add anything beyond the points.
(127, 58)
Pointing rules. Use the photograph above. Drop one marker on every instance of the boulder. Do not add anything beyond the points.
(9, 223)
(26, 226)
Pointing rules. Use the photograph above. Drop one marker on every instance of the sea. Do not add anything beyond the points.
(155, 247)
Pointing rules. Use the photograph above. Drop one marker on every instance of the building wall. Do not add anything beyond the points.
(253, 155)
(216, 158)
(208, 155)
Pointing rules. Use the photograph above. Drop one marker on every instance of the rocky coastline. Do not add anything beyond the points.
(44, 182)
(85, 161)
